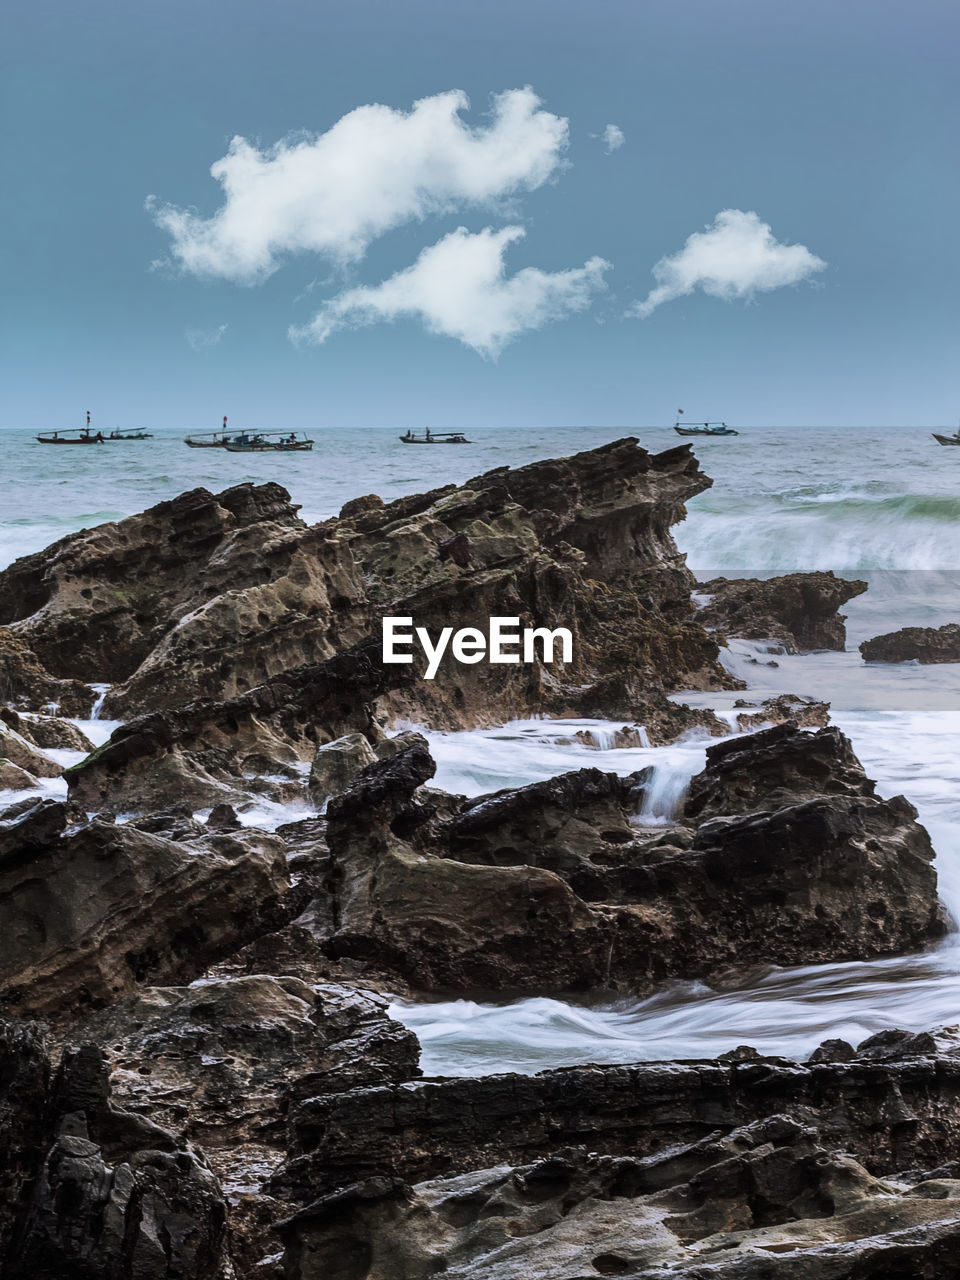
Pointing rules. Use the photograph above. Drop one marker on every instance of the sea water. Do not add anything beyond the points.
(881, 504)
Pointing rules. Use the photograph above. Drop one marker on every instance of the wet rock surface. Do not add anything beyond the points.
(787, 855)
(798, 609)
(219, 1091)
(209, 596)
(926, 645)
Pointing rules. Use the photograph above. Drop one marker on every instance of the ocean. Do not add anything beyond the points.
(880, 503)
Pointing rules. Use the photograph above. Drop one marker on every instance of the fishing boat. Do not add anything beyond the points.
(130, 433)
(72, 435)
(705, 429)
(954, 439)
(268, 442)
(435, 437)
(77, 435)
(208, 439)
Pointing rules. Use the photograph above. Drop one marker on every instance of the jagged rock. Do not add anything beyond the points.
(102, 1192)
(89, 912)
(773, 768)
(728, 1207)
(898, 1113)
(925, 645)
(806, 713)
(336, 764)
(220, 1062)
(209, 753)
(213, 596)
(46, 731)
(552, 886)
(798, 609)
(27, 685)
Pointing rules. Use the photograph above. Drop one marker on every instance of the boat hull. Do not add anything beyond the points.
(406, 441)
(693, 431)
(306, 447)
(75, 440)
(946, 439)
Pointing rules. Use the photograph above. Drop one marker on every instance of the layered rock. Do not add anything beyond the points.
(926, 645)
(88, 912)
(553, 886)
(799, 610)
(892, 1109)
(765, 1200)
(213, 596)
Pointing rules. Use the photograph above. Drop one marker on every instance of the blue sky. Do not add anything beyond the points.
(833, 124)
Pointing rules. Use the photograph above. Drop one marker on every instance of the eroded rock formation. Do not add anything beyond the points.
(786, 854)
(926, 645)
(798, 609)
(212, 596)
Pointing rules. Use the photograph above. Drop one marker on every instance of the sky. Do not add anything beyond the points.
(434, 213)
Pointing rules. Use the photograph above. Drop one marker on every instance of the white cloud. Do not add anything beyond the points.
(458, 287)
(200, 339)
(373, 170)
(735, 257)
(613, 137)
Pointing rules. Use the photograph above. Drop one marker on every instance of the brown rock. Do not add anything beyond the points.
(88, 913)
(798, 609)
(551, 886)
(214, 596)
(926, 645)
(26, 684)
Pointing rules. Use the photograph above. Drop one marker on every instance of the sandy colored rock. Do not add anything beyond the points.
(89, 912)
(336, 764)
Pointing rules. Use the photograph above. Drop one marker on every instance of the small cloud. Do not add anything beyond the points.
(613, 137)
(736, 257)
(375, 169)
(459, 288)
(200, 339)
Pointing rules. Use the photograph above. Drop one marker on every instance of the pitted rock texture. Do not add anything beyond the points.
(553, 886)
(210, 596)
(926, 645)
(799, 609)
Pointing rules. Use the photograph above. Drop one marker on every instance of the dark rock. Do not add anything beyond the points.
(774, 768)
(103, 1192)
(798, 609)
(891, 1114)
(552, 887)
(806, 713)
(925, 645)
(220, 1063)
(211, 596)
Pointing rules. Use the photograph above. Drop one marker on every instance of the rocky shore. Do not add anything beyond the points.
(199, 1075)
